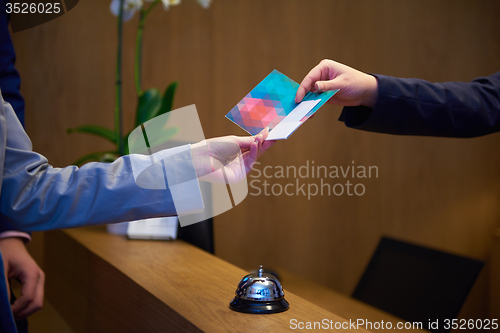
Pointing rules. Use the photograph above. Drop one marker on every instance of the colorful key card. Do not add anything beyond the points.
(272, 104)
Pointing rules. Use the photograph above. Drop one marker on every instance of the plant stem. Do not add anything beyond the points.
(138, 54)
(151, 7)
(118, 84)
(138, 47)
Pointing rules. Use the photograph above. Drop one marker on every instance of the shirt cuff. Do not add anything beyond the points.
(12, 233)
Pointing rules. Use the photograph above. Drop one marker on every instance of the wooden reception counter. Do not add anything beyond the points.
(104, 283)
(100, 282)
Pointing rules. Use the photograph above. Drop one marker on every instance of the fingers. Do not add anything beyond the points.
(321, 86)
(222, 157)
(308, 82)
(22, 267)
(251, 157)
(244, 141)
(259, 139)
(265, 144)
(31, 298)
(258, 148)
(264, 133)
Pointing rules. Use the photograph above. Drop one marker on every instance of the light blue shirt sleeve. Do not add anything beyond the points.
(36, 196)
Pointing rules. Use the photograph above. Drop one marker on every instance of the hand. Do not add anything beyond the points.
(19, 265)
(356, 88)
(228, 159)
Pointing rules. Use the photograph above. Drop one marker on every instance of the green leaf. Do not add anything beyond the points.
(103, 156)
(109, 157)
(148, 106)
(159, 139)
(168, 98)
(125, 143)
(103, 132)
(155, 141)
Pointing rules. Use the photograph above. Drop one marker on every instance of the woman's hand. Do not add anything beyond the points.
(228, 159)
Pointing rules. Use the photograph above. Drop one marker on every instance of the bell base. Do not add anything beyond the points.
(257, 307)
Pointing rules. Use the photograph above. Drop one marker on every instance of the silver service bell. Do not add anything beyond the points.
(259, 293)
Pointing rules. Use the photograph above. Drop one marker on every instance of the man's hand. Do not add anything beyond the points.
(228, 159)
(356, 88)
(19, 265)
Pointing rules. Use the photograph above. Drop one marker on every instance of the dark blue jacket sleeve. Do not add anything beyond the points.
(6, 226)
(9, 77)
(418, 107)
(9, 80)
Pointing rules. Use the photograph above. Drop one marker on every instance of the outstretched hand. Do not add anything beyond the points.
(228, 159)
(356, 88)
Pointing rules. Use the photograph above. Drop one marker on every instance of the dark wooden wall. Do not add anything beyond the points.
(442, 193)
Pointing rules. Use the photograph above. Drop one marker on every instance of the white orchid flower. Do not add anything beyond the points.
(129, 8)
(204, 3)
(168, 3)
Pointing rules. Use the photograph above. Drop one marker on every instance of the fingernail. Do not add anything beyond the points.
(319, 86)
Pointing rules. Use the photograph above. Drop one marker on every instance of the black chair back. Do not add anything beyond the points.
(416, 283)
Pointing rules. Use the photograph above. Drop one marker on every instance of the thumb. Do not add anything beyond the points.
(321, 86)
(244, 142)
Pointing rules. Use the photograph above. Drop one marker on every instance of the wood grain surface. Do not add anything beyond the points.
(494, 276)
(105, 283)
(345, 306)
